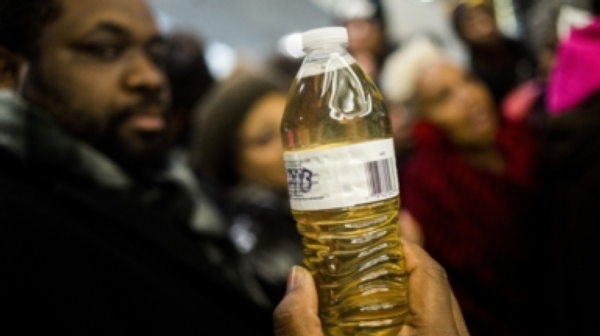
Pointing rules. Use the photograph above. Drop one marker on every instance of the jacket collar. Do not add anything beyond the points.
(36, 140)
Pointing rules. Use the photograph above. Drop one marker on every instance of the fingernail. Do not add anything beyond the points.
(294, 278)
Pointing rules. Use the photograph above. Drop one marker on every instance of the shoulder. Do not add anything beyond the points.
(104, 260)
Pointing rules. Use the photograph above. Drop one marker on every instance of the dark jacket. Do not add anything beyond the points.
(263, 229)
(82, 257)
(572, 176)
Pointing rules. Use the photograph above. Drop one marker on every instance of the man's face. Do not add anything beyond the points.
(98, 71)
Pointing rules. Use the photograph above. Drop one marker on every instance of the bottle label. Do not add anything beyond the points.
(342, 176)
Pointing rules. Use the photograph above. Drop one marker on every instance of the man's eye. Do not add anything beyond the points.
(103, 51)
(157, 54)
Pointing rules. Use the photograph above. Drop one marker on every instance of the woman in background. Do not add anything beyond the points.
(500, 62)
(468, 185)
(237, 148)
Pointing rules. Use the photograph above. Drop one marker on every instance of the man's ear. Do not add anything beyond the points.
(12, 66)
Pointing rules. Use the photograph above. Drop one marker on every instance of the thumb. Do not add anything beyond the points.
(430, 295)
(297, 314)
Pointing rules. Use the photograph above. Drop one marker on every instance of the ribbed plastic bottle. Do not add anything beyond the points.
(344, 191)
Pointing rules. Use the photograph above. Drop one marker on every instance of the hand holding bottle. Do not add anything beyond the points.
(433, 308)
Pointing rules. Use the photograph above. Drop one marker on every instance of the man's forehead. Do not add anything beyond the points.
(79, 17)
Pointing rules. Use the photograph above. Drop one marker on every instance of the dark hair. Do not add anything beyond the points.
(286, 65)
(22, 22)
(596, 7)
(190, 79)
(186, 70)
(215, 143)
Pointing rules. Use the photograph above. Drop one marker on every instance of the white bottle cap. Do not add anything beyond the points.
(329, 35)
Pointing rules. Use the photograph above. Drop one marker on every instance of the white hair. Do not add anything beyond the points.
(402, 68)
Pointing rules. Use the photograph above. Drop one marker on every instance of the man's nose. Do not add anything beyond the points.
(143, 74)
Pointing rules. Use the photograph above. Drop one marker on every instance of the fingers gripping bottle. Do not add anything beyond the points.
(343, 185)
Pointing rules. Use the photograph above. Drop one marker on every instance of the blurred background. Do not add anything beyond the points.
(237, 30)
(252, 31)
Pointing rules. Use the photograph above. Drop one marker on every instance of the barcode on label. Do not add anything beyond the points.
(381, 177)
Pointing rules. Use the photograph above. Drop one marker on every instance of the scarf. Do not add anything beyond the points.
(38, 141)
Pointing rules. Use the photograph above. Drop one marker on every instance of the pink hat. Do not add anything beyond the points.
(576, 74)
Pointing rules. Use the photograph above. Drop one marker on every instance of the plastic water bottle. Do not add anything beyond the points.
(344, 191)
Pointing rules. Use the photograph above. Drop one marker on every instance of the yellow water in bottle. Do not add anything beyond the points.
(344, 190)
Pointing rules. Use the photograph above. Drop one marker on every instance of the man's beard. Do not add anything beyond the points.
(142, 164)
(107, 136)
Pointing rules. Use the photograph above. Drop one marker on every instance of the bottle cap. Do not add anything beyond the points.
(330, 35)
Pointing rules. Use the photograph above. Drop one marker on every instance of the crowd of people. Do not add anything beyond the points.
(138, 193)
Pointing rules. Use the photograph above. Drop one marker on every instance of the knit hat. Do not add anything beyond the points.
(217, 120)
